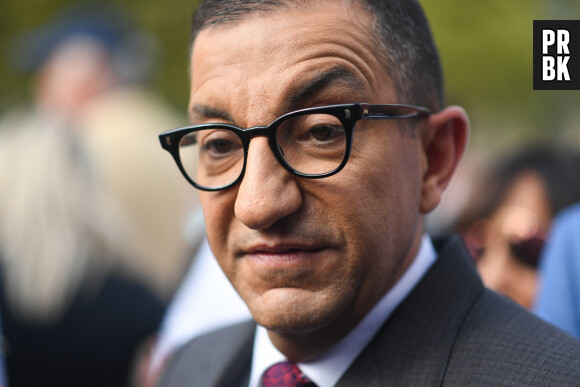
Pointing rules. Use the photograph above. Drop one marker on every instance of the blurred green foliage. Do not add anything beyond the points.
(486, 49)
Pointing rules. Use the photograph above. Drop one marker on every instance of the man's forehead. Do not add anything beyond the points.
(289, 31)
(288, 60)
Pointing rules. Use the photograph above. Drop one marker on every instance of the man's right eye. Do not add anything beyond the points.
(218, 147)
(325, 132)
(220, 144)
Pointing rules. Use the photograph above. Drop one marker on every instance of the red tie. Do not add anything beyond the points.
(285, 374)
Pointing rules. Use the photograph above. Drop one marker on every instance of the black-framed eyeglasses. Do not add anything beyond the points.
(311, 143)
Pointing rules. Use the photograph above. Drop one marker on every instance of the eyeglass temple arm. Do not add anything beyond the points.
(392, 111)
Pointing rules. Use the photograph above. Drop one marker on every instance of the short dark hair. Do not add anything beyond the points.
(401, 31)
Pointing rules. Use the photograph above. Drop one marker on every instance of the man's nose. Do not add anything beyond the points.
(268, 192)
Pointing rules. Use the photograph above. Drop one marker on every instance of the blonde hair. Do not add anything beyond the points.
(56, 224)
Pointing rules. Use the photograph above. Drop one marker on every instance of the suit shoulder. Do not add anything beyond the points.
(501, 342)
(208, 358)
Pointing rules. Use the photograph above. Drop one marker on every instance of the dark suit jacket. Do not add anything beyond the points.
(450, 330)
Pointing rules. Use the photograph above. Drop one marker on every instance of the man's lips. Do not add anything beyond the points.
(282, 253)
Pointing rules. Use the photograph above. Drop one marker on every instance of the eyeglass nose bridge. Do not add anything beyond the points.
(270, 132)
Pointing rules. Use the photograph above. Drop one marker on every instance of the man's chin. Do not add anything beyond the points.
(294, 312)
(293, 328)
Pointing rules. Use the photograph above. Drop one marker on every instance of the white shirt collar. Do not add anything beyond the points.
(326, 370)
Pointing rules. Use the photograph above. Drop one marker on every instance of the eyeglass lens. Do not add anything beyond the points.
(311, 144)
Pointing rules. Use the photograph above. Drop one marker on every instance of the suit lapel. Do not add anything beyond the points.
(414, 345)
(219, 359)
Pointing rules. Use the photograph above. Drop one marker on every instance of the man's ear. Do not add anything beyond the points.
(444, 140)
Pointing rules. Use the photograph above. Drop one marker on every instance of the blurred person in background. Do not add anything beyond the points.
(89, 208)
(507, 219)
(559, 295)
(68, 318)
(91, 65)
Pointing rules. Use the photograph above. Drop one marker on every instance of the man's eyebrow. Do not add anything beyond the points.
(200, 111)
(337, 74)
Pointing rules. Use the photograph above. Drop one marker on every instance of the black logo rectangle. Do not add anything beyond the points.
(556, 55)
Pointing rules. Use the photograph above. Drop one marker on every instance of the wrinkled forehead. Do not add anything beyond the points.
(266, 52)
(230, 14)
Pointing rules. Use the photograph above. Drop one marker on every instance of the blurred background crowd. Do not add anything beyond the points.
(101, 237)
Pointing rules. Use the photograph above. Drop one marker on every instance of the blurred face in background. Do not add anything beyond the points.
(508, 243)
(78, 70)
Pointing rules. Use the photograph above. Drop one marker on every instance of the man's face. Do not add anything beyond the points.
(308, 256)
